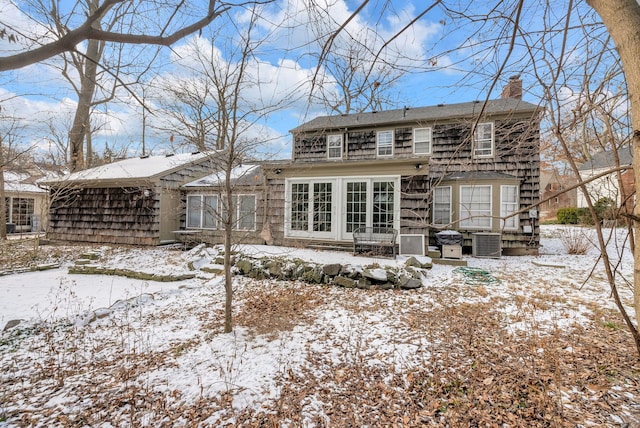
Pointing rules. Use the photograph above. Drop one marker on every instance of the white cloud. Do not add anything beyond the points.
(282, 72)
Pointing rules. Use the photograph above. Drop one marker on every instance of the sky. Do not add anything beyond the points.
(436, 56)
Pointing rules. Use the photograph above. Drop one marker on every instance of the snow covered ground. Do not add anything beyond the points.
(101, 350)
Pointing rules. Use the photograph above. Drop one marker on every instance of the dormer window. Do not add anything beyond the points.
(483, 140)
(384, 143)
(334, 146)
(422, 141)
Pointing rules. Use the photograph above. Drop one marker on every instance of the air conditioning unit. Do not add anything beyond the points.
(412, 245)
(487, 245)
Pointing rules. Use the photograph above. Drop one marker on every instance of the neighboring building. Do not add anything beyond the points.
(465, 167)
(133, 201)
(26, 203)
(608, 186)
(556, 191)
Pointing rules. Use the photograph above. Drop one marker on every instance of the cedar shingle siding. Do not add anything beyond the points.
(121, 203)
(515, 161)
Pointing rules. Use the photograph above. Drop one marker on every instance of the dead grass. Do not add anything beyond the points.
(26, 253)
(271, 310)
(471, 367)
(474, 374)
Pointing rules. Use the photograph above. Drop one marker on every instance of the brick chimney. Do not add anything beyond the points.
(513, 88)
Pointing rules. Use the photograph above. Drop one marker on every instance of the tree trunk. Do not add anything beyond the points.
(81, 121)
(228, 242)
(622, 19)
(3, 203)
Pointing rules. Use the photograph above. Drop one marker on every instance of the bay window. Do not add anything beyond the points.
(475, 207)
(442, 205)
(509, 205)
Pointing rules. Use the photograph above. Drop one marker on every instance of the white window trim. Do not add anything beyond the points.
(255, 204)
(201, 210)
(310, 233)
(338, 202)
(378, 143)
(463, 210)
(236, 209)
(503, 213)
(341, 139)
(428, 152)
(475, 141)
(433, 214)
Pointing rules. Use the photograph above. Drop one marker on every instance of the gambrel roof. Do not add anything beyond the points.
(417, 114)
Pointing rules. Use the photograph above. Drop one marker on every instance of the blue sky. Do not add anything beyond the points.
(445, 62)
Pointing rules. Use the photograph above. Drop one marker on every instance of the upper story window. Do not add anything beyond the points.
(384, 143)
(422, 141)
(334, 146)
(483, 137)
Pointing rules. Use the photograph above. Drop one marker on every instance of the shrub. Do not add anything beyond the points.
(575, 241)
(568, 215)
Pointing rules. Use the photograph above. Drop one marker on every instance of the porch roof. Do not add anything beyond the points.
(478, 175)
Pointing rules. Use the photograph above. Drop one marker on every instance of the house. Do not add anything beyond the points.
(132, 201)
(556, 191)
(471, 167)
(26, 203)
(601, 184)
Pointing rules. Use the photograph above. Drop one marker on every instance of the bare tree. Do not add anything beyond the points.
(558, 52)
(155, 23)
(209, 110)
(192, 113)
(354, 78)
(622, 19)
(99, 22)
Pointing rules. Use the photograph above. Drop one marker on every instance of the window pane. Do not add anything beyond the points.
(509, 204)
(334, 146)
(382, 204)
(385, 143)
(475, 206)
(194, 206)
(299, 206)
(483, 139)
(356, 205)
(22, 211)
(247, 212)
(209, 214)
(322, 207)
(422, 141)
(442, 205)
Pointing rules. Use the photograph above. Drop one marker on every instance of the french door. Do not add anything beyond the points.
(368, 202)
